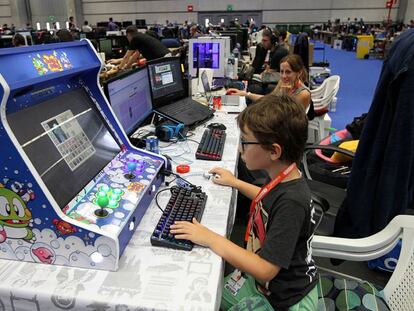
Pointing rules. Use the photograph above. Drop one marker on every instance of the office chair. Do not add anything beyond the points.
(322, 187)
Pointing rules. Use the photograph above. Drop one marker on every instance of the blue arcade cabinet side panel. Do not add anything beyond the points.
(72, 188)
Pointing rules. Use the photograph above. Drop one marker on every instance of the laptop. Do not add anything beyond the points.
(168, 95)
(226, 100)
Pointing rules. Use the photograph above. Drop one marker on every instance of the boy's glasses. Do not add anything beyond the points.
(243, 143)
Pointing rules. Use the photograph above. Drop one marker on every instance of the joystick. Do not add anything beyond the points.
(102, 202)
(131, 165)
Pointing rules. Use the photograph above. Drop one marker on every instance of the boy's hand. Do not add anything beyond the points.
(223, 177)
(195, 232)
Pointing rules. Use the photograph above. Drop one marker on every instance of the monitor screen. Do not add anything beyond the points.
(125, 24)
(130, 98)
(166, 77)
(66, 140)
(206, 55)
(102, 24)
(140, 22)
(105, 46)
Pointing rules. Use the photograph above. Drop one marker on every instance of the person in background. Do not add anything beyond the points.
(293, 76)
(86, 27)
(282, 39)
(18, 40)
(140, 45)
(111, 25)
(64, 35)
(195, 32)
(72, 23)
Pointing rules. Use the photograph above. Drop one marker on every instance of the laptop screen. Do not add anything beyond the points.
(166, 79)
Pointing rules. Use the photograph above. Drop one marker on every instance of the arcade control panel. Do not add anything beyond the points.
(127, 184)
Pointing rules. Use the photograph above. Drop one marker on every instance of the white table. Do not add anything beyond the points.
(149, 278)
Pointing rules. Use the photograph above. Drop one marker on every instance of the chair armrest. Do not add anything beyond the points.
(363, 249)
(332, 148)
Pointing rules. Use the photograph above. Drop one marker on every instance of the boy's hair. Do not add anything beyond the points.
(277, 119)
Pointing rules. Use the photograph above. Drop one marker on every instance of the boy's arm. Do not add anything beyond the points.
(226, 178)
(246, 189)
(238, 257)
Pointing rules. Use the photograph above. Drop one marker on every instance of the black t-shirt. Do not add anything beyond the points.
(276, 56)
(148, 46)
(287, 214)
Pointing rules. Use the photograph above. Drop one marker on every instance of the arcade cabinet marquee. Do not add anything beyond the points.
(72, 187)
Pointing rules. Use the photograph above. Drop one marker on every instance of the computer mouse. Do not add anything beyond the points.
(230, 92)
(208, 175)
(217, 126)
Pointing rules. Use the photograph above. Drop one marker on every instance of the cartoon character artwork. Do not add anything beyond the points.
(52, 62)
(39, 65)
(44, 254)
(63, 227)
(15, 217)
(63, 57)
(20, 188)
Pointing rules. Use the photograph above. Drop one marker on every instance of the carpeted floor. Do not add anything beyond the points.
(359, 78)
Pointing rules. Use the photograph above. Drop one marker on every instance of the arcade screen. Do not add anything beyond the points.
(165, 77)
(130, 98)
(206, 55)
(66, 140)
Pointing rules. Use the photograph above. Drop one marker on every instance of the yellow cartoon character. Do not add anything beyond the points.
(14, 217)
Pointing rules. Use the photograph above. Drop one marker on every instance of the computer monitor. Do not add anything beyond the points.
(130, 98)
(208, 52)
(232, 36)
(166, 80)
(65, 136)
(295, 29)
(140, 22)
(105, 46)
(125, 24)
(102, 24)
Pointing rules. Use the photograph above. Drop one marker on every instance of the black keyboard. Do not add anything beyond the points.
(211, 145)
(184, 204)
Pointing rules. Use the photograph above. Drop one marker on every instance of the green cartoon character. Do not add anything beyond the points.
(15, 217)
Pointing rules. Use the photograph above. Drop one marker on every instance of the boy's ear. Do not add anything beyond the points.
(276, 153)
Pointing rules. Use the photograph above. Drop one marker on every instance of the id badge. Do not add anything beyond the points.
(235, 282)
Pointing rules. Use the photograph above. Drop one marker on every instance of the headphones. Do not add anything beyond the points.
(168, 132)
(271, 34)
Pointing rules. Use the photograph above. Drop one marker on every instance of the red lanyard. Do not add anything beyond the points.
(263, 192)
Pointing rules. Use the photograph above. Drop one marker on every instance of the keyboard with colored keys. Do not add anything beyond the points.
(183, 205)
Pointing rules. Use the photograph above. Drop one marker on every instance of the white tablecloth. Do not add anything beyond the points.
(149, 278)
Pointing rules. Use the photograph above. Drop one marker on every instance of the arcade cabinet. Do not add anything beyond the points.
(73, 189)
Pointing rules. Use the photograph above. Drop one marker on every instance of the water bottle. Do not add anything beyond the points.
(230, 67)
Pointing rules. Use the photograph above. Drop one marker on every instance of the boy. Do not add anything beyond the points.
(278, 260)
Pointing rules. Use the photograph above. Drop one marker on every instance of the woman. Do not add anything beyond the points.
(293, 75)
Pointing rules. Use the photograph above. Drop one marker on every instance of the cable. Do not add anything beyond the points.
(193, 141)
(165, 172)
(156, 198)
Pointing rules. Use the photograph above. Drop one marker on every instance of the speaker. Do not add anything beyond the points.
(168, 132)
